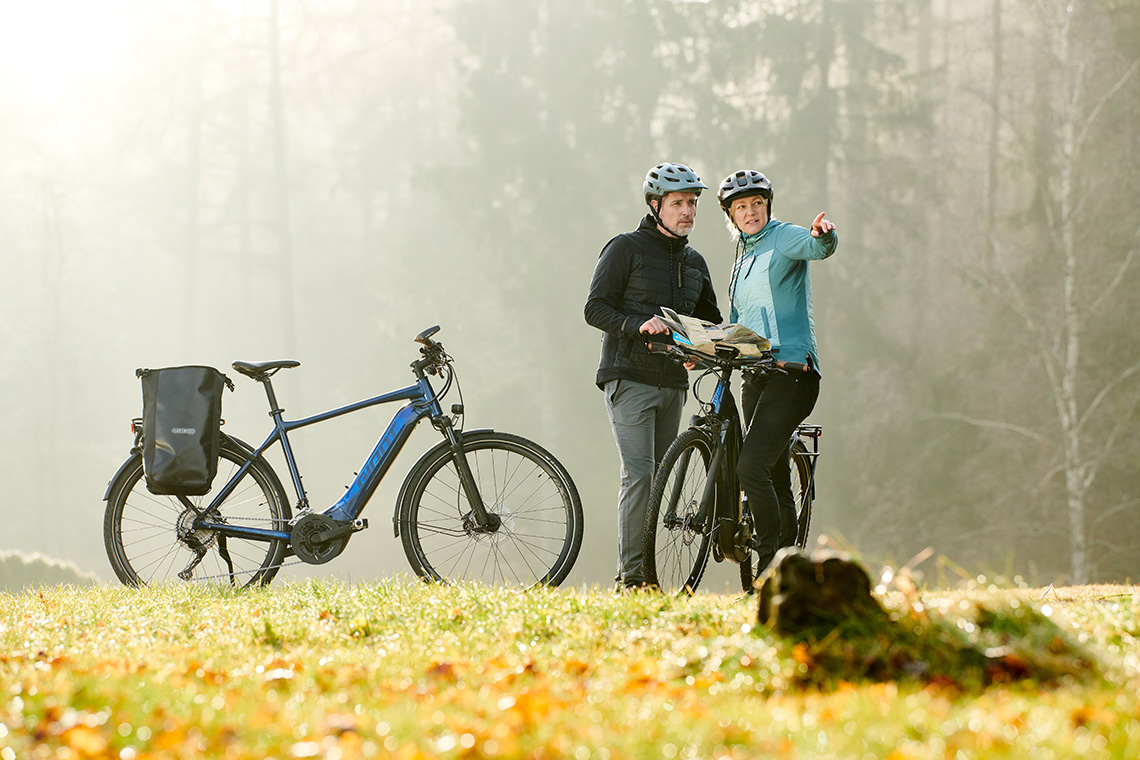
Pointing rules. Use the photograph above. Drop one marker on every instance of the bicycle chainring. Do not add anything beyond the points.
(307, 546)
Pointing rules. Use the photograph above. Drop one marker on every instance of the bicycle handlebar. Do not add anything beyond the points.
(434, 356)
(727, 356)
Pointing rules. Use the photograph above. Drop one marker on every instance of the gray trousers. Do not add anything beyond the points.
(645, 421)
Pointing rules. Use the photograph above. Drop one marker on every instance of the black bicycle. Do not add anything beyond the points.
(480, 506)
(696, 507)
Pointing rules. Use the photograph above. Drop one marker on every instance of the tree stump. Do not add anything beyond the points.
(816, 592)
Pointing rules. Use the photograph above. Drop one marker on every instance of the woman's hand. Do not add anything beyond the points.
(821, 226)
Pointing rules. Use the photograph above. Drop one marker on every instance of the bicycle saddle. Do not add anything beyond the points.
(253, 369)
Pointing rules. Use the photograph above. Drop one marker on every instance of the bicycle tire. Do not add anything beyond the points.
(540, 534)
(676, 552)
(146, 535)
(804, 495)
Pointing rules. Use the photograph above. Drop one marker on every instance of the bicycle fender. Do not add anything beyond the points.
(415, 468)
(239, 444)
(119, 474)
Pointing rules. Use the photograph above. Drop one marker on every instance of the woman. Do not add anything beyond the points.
(770, 292)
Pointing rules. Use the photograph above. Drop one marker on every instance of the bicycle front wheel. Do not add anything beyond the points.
(534, 506)
(150, 538)
(802, 493)
(676, 549)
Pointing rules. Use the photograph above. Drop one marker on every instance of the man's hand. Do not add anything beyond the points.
(654, 326)
(821, 226)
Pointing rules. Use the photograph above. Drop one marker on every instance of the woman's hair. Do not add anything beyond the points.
(733, 230)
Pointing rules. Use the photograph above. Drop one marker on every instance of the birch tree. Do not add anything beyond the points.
(1086, 87)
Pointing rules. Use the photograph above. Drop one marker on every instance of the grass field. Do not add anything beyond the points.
(403, 670)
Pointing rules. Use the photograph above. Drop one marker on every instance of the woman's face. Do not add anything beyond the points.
(749, 214)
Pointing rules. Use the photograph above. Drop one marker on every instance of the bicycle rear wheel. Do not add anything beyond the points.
(539, 514)
(802, 492)
(676, 549)
(149, 538)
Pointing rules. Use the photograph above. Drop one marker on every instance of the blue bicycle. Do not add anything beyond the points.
(479, 506)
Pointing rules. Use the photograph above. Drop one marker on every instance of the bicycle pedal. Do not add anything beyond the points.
(359, 524)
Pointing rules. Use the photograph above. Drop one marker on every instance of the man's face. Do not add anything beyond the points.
(678, 212)
(749, 214)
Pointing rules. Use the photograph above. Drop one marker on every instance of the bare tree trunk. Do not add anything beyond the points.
(281, 182)
(994, 131)
(50, 509)
(245, 261)
(192, 184)
(828, 111)
(1075, 490)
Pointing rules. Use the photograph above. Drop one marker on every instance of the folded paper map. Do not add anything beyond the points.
(703, 336)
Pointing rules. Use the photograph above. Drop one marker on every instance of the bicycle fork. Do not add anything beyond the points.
(478, 520)
(707, 512)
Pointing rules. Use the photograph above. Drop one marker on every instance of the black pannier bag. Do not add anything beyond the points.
(182, 417)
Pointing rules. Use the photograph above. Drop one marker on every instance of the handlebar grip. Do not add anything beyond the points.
(794, 366)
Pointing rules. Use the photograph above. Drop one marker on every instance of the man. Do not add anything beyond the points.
(637, 273)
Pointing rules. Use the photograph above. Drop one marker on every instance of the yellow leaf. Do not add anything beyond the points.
(444, 671)
(802, 655)
(169, 739)
(576, 668)
(85, 740)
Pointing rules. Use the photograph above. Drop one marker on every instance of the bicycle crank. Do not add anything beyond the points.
(316, 538)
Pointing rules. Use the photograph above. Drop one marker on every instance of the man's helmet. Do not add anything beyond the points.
(741, 185)
(671, 178)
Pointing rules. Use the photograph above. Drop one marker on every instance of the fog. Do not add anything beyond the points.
(204, 181)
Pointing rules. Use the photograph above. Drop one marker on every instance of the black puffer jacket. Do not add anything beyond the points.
(637, 273)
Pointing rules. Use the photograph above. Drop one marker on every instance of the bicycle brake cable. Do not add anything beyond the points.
(457, 422)
(696, 389)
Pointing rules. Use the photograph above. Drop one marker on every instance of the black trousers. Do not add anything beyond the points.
(775, 405)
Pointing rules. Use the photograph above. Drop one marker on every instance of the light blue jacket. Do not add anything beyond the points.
(771, 287)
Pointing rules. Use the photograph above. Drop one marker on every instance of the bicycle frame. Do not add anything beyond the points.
(724, 427)
(423, 403)
(722, 421)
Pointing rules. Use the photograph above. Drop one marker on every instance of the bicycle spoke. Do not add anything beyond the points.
(151, 538)
(535, 526)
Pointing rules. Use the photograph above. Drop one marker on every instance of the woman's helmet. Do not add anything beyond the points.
(741, 185)
(671, 178)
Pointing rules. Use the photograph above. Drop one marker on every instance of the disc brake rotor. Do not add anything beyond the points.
(504, 524)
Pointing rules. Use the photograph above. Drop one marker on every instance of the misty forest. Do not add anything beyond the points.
(204, 181)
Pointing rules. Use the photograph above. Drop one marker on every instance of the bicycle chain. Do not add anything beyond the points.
(245, 572)
(248, 572)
